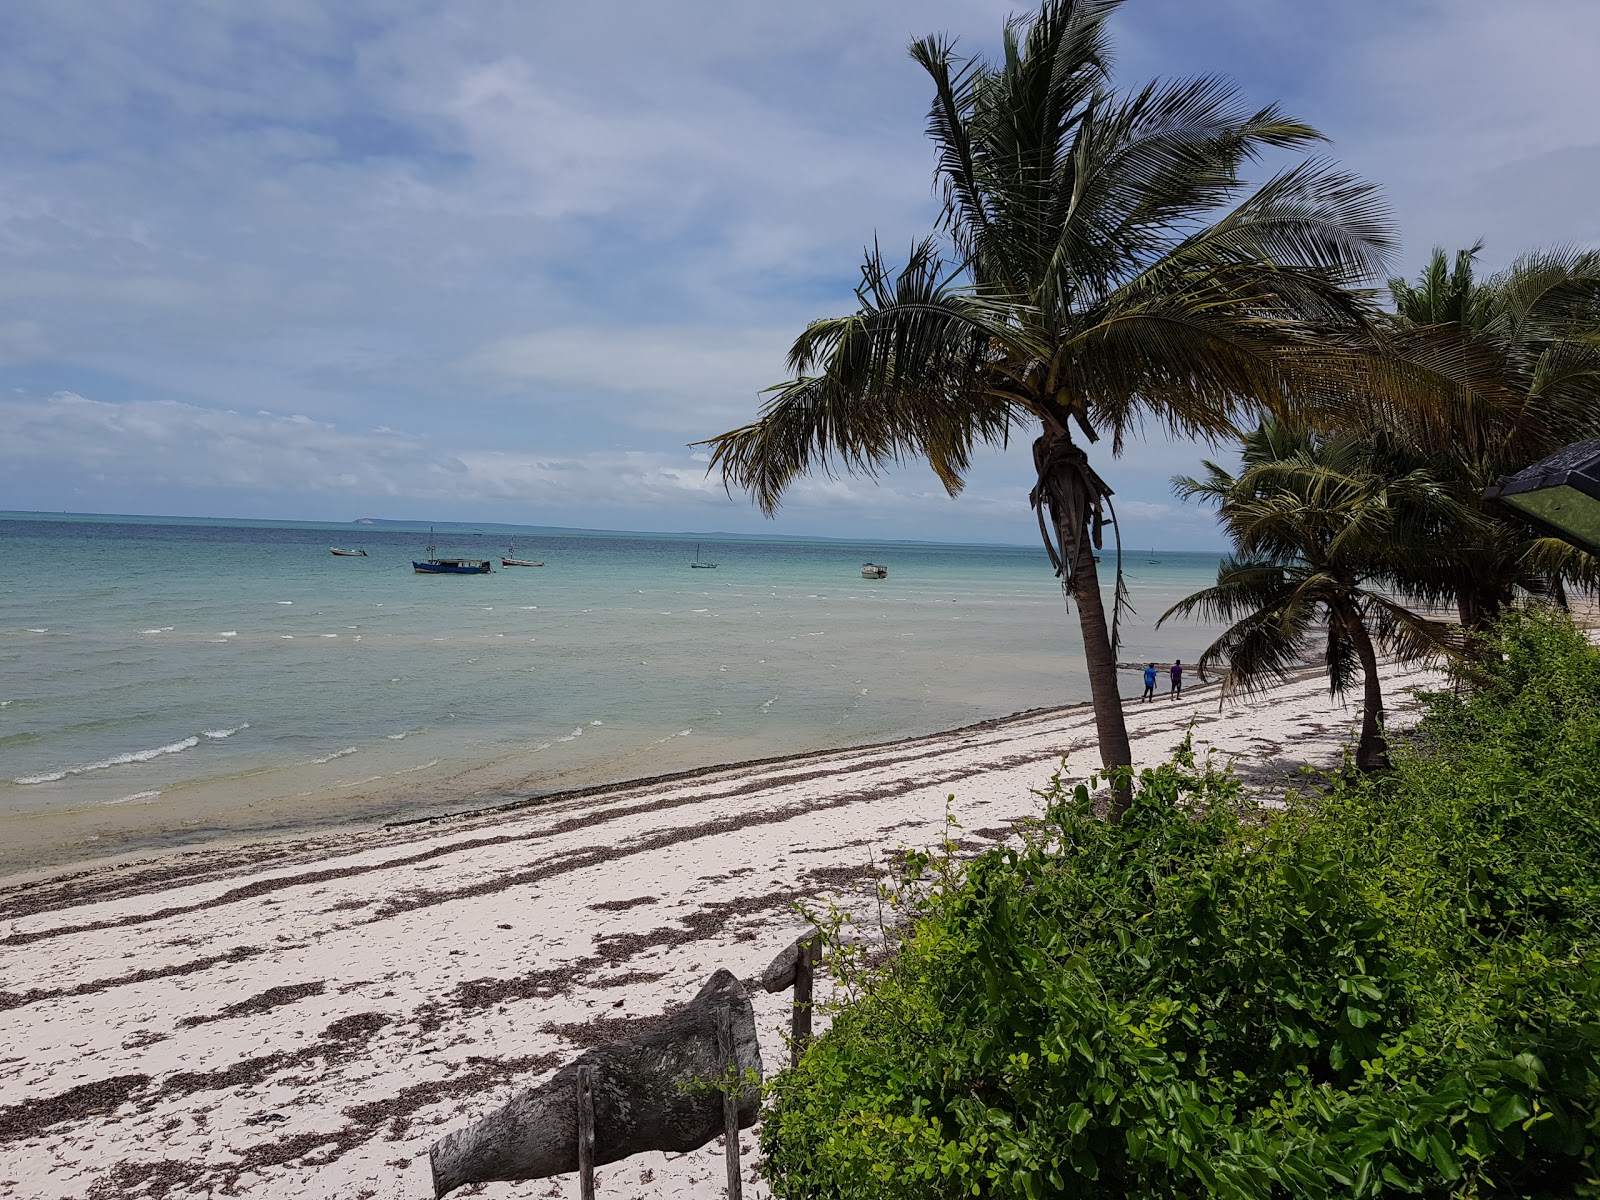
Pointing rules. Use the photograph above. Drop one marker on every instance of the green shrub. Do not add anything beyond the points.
(1390, 991)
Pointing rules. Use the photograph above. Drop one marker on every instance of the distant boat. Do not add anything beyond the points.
(449, 566)
(507, 559)
(700, 562)
(1153, 561)
(343, 553)
(874, 571)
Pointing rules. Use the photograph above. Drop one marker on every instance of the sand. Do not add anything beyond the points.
(303, 1017)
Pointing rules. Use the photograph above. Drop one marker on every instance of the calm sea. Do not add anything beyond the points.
(170, 681)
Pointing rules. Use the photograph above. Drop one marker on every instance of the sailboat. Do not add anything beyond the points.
(700, 562)
(509, 559)
(1153, 561)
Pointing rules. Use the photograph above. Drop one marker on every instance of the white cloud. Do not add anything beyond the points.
(711, 375)
(156, 442)
(593, 229)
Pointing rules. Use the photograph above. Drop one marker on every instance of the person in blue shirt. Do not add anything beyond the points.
(1149, 683)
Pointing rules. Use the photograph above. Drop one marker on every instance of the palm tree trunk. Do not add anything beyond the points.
(1372, 751)
(1065, 488)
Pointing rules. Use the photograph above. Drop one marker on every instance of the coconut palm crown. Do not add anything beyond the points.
(1534, 331)
(1315, 528)
(1099, 263)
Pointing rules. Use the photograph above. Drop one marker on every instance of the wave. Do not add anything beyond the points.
(328, 758)
(130, 799)
(118, 760)
(133, 756)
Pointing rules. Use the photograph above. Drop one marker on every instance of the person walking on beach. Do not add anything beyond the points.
(1149, 683)
(1177, 679)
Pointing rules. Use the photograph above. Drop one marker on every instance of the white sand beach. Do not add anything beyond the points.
(303, 1017)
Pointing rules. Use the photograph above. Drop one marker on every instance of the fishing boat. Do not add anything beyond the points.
(874, 571)
(700, 562)
(509, 559)
(449, 566)
(452, 566)
(341, 552)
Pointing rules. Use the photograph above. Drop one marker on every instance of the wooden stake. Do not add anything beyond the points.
(585, 1134)
(732, 1086)
(800, 1028)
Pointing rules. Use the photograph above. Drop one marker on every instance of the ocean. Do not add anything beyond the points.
(172, 681)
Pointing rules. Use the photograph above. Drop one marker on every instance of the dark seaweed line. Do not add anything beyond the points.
(262, 887)
(579, 859)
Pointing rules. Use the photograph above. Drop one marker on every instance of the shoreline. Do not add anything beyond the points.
(303, 1016)
(509, 801)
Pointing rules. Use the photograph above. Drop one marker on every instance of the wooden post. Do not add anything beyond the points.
(585, 1134)
(800, 1028)
(732, 1085)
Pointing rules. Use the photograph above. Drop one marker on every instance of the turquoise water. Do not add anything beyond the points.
(164, 681)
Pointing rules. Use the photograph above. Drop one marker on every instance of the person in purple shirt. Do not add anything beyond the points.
(1177, 679)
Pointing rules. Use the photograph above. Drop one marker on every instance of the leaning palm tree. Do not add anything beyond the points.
(1314, 528)
(1099, 263)
(1534, 330)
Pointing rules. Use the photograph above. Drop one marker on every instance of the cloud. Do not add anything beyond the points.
(557, 242)
(166, 442)
(710, 376)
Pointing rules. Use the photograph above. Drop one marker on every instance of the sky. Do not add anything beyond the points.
(492, 260)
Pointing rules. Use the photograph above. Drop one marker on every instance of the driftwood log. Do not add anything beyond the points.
(656, 1090)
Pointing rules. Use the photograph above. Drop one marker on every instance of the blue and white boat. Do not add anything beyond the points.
(449, 566)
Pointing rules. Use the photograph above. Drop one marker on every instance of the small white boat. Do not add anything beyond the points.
(874, 571)
(508, 559)
(343, 553)
(700, 562)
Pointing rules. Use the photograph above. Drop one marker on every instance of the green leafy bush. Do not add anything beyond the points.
(1392, 990)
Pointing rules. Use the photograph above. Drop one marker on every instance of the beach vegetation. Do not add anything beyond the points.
(1316, 530)
(1101, 263)
(1388, 991)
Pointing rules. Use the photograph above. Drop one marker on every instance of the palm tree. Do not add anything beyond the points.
(1107, 266)
(1313, 526)
(1534, 330)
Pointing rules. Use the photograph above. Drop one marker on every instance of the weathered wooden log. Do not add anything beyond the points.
(645, 1098)
(779, 975)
